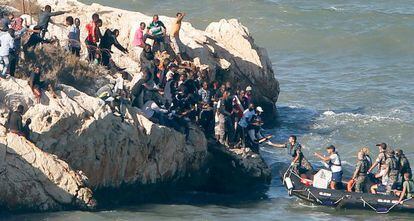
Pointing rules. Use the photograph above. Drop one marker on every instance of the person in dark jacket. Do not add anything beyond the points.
(26, 129)
(44, 19)
(108, 40)
(404, 164)
(14, 121)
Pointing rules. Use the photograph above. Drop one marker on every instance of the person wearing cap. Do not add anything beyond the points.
(381, 157)
(248, 95)
(254, 130)
(299, 163)
(403, 162)
(6, 45)
(392, 169)
(360, 173)
(335, 165)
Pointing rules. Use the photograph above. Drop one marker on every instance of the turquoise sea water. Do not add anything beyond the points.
(346, 70)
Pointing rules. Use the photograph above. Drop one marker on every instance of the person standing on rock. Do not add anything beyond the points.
(110, 39)
(73, 46)
(14, 121)
(175, 35)
(44, 19)
(93, 37)
(7, 45)
(156, 31)
(138, 42)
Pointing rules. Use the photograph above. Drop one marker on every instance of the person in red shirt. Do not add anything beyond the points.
(93, 37)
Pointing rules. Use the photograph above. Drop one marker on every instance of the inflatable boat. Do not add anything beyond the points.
(305, 189)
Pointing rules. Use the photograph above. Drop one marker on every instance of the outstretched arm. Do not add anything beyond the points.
(321, 157)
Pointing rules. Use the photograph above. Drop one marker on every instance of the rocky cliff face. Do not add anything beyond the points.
(76, 132)
(31, 179)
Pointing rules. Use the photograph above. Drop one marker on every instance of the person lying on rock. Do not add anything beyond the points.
(14, 121)
(37, 85)
(44, 19)
(156, 31)
(109, 39)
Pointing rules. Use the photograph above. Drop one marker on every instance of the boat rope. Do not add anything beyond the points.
(386, 211)
(316, 198)
(366, 203)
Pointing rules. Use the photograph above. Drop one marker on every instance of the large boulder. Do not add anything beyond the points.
(31, 179)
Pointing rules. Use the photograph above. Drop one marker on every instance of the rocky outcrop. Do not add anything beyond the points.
(77, 132)
(226, 47)
(82, 132)
(31, 179)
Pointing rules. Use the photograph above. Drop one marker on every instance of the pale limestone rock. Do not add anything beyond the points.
(31, 179)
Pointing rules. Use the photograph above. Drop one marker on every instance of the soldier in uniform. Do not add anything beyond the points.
(360, 174)
(403, 163)
(392, 169)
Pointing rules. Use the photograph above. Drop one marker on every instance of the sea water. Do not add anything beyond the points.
(346, 72)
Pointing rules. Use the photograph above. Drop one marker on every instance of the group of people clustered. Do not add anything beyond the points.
(394, 175)
(175, 93)
(170, 90)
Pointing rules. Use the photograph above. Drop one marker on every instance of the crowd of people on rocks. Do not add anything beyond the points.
(393, 176)
(170, 90)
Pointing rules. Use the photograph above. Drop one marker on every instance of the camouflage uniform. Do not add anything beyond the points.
(393, 172)
(362, 168)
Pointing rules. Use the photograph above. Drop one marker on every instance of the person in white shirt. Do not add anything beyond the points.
(74, 45)
(7, 44)
(335, 165)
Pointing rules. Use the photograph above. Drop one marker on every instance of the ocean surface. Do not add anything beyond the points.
(346, 72)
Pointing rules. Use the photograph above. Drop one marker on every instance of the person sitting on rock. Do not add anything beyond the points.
(44, 19)
(156, 31)
(37, 85)
(108, 40)
(14, 121)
